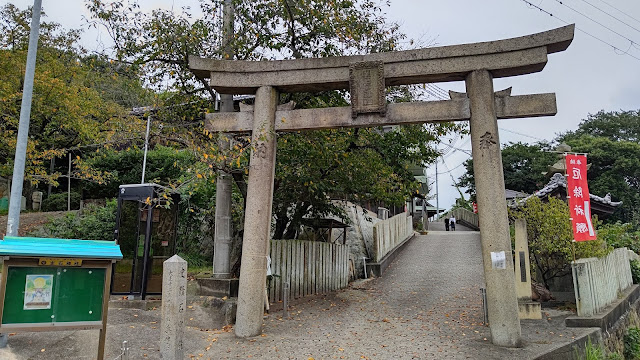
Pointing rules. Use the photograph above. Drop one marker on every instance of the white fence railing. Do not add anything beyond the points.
(466, 217)
(598, 282)
(388, 234)
(311, 267)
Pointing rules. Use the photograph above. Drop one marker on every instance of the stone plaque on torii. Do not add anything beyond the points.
(366, 76)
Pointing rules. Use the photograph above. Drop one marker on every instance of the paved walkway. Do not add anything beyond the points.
(439, 226)
(427, 306)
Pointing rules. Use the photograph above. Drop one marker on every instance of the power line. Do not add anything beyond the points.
(615, 48)
(439, 90)
(606, 13)
(521, 134)
(450, 170)
(622, 12)
(464, 143)
(595, 21)
(468, 152)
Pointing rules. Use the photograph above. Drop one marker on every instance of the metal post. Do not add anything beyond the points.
(146, 148)
(485, 312)
(13, 221)
(285, 300)
(69, 185)
(364, 264)
(51, 169)
(437, 193)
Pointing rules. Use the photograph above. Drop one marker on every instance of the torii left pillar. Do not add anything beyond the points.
(257, 219)
(496, 242)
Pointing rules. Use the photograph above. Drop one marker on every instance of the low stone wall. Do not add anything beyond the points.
(598, 282)
(390, 233)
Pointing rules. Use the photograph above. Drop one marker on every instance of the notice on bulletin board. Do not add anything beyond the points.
(37, 292)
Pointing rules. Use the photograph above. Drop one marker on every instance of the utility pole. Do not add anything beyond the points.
(223, 229)
(69, 184)
(13, 221)
(437, 193)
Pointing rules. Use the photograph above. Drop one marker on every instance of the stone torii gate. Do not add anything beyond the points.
(367, 76)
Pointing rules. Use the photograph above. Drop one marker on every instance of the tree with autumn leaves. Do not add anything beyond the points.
(72, 108)
(361, 165)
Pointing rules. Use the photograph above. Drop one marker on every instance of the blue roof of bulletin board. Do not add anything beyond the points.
(44, 247)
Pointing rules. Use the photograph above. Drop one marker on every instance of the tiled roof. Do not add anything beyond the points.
(559, 180)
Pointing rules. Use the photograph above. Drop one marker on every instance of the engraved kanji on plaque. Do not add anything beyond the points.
(366, 83)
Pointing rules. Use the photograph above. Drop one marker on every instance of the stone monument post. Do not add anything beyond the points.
(527, 309)
(492, 211)
(174, 305)
(257, 224)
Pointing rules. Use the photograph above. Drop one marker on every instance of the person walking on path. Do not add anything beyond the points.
(446, 224)
(452, 223)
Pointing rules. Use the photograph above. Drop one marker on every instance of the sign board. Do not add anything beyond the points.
(53, 296)
(56, 284)
(579, 201)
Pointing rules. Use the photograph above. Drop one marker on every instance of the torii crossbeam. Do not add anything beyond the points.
(366, 76)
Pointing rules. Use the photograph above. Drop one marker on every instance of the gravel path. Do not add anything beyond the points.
(427, 306)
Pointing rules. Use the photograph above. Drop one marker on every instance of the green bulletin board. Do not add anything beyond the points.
(60, 295)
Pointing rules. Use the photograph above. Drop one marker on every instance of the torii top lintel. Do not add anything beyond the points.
(508, 57)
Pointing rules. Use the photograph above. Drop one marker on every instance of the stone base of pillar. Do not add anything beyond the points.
(529, 310)
(217, 287)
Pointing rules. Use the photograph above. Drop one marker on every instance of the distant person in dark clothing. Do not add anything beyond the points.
(452, 223)
(446, 224)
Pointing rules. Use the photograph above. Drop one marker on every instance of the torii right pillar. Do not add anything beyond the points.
(502, 303)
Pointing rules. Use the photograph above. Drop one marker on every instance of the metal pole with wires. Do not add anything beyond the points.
(437, 194)
(15, 204)
(13, 221)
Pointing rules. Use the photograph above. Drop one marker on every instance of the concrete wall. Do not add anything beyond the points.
(598, 282)
(390, 233)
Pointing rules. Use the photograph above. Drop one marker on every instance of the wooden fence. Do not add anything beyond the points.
(311, 267)
(598, 282)
(388, 234)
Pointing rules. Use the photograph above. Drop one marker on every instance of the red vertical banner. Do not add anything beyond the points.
(578, 194)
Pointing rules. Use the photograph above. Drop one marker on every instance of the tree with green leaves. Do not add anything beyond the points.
(550, 237)
(312, 167)
(614, 125)
(523, 166)
(69, 111)
(612, 143)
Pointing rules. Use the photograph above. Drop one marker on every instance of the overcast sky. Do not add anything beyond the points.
(588, 77)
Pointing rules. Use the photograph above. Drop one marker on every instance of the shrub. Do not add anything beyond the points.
(635, 271)
(620, 235)
(614, 356)
(96, 223)
(550, 238)
(632, 343)
(58, 202)
(593, 351)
